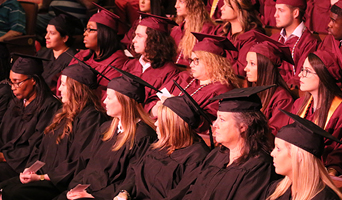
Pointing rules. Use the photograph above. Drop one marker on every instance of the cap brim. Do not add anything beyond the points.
(228, 45)
(29, 56)
(169, 21)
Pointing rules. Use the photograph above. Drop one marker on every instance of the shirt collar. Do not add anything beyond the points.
(145, 65)
(297, 32)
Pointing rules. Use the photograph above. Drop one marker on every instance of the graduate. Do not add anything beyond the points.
(241, 167)
(263, 62)
(119, 142)
(210, 74)
(156, 50)
(334, 28)
(103, 47)
(65, 139)
(297, 152)
(191, 17)
(173, 159)
(294, 34)
(59, 38)
(321, 79)
(27, 115)
(241, 22)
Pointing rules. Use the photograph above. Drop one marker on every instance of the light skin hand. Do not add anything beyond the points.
(77, 195)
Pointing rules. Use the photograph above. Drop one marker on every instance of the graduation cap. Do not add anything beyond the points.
(105, 17)
(305, 135)
(82, 74)
(156, 22)
(295, 3)
(189, 110)
(90, 67)
(130, 85)
(241, 99)
(338, 4)
(65, 21)
(273, 50)
(213, 44)
(28, 65)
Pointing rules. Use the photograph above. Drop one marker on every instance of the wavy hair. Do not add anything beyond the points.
(310, 176)
(79, 96)
(132, 112)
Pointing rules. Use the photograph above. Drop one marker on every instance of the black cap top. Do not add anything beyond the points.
(65, 21)
(184, 109)
(305, 135)
(241, 99)
(130, 85)
(28, 65)
(82, 74)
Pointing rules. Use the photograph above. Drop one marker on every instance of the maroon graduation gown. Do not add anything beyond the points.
(154, 76)
(202, 96)
(217, 12)
(306, 44)
(326, 194)
(332, 156)
(158, 174)
(117, 59)
(177, 34)
(280, 99)
(267, 11)
(54, 67)
(326, 44)
(245, 181)
(19, 134)
(317, 15)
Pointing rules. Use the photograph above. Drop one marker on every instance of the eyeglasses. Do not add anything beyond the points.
(305, 72)
(16, 85)
(195, 61)
(89, 30)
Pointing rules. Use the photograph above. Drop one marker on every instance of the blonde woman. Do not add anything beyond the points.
(297, 152)
(120, 141)
(191, 17)
(210, 75)
(172, 161)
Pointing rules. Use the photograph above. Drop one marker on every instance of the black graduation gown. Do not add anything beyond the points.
(158, 174)
(60, 159)
(326, 194)
(106, 169)
(245, 181)
(5, 96)
(19, 135)
(54, 67)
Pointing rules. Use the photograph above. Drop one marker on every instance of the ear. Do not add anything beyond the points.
(243, 128)
(65, 38)
(295, 13)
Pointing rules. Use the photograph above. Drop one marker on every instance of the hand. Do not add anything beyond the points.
(76, 195)
(2, 157)
(121, 196)
(27, 177)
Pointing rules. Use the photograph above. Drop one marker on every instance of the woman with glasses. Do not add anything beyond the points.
(210, 74)
(65, 139)
(27, 115)
(321, 79)
(263, 62)
(59, 38)
(191, 17)
(103, 47)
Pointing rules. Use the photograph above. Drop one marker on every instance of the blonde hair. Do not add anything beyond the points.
(175, 133)
(218, 68)
(132, 112)
(196, 16)
(310, 176)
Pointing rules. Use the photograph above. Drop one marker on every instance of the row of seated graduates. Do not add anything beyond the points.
(192, 57)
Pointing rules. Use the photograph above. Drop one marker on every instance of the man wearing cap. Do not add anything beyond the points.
(289, 16)
(334, 28)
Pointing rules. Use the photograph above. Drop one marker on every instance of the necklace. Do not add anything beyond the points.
(198, 89)
(179, 56)
(293, 50)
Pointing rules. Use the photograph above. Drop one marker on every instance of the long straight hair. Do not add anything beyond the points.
(175, 133)
(309, 174)
(197, 15)
(132, 112)
(79, 96)
(327, 90)
(268, 74)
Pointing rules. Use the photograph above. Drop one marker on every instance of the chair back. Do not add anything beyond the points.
(31, 10)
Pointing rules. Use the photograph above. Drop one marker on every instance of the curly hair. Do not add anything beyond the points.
(218, 68)
(196, 16)
(79, 96)
(160, 48)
